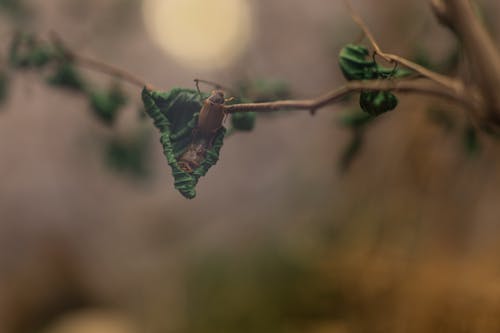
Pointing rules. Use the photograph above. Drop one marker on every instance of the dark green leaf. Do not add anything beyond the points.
(67, 76)
(175, 114)
(129, 154)
(106, 104)
(243, 121)
(391, 73)
(354, 63)
(27, 52)
(377, 102)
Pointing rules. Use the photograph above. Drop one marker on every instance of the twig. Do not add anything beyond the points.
(99, 66)
(447, 82)
(104, 68)
(404, 86)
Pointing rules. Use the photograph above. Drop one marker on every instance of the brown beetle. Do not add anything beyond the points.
(210, 120)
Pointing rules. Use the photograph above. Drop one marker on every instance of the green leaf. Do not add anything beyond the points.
(377, 102)
(28, 52)
(355, 64)
(175, 114)
(243, 121)
(106, 104)
(67, 76)
(129, 154)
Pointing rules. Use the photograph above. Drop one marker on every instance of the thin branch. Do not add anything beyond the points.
(403, 86)
(104, 68)
(445, 81)
(98, 66)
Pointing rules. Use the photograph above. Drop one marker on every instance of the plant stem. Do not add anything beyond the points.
(418, 86)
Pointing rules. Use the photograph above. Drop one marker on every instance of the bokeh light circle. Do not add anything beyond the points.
(200, 33)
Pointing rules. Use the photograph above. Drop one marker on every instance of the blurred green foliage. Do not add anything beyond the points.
(26, 51)
(255, 291)
(243, 121)
(264, 90)
(15, 8)
(447, 65)
(67, 76)
(356, 121)
(472, 145)
(107, 103)
(351, 151)
(130, 154)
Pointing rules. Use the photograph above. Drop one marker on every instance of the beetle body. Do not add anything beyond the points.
(210, 121)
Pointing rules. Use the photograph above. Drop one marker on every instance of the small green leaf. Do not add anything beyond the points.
(27, 52)
(354, 63)
(40, 56)
(175, 115)
(106, 104)
(66, 76)
(243, 121)
(377, 102)
(129, 154)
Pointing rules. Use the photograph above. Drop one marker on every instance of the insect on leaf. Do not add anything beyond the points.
(175, 114)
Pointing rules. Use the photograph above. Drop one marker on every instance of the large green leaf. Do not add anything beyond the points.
(175, 114)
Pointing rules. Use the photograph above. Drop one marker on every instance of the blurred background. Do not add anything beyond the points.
(94, 238)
